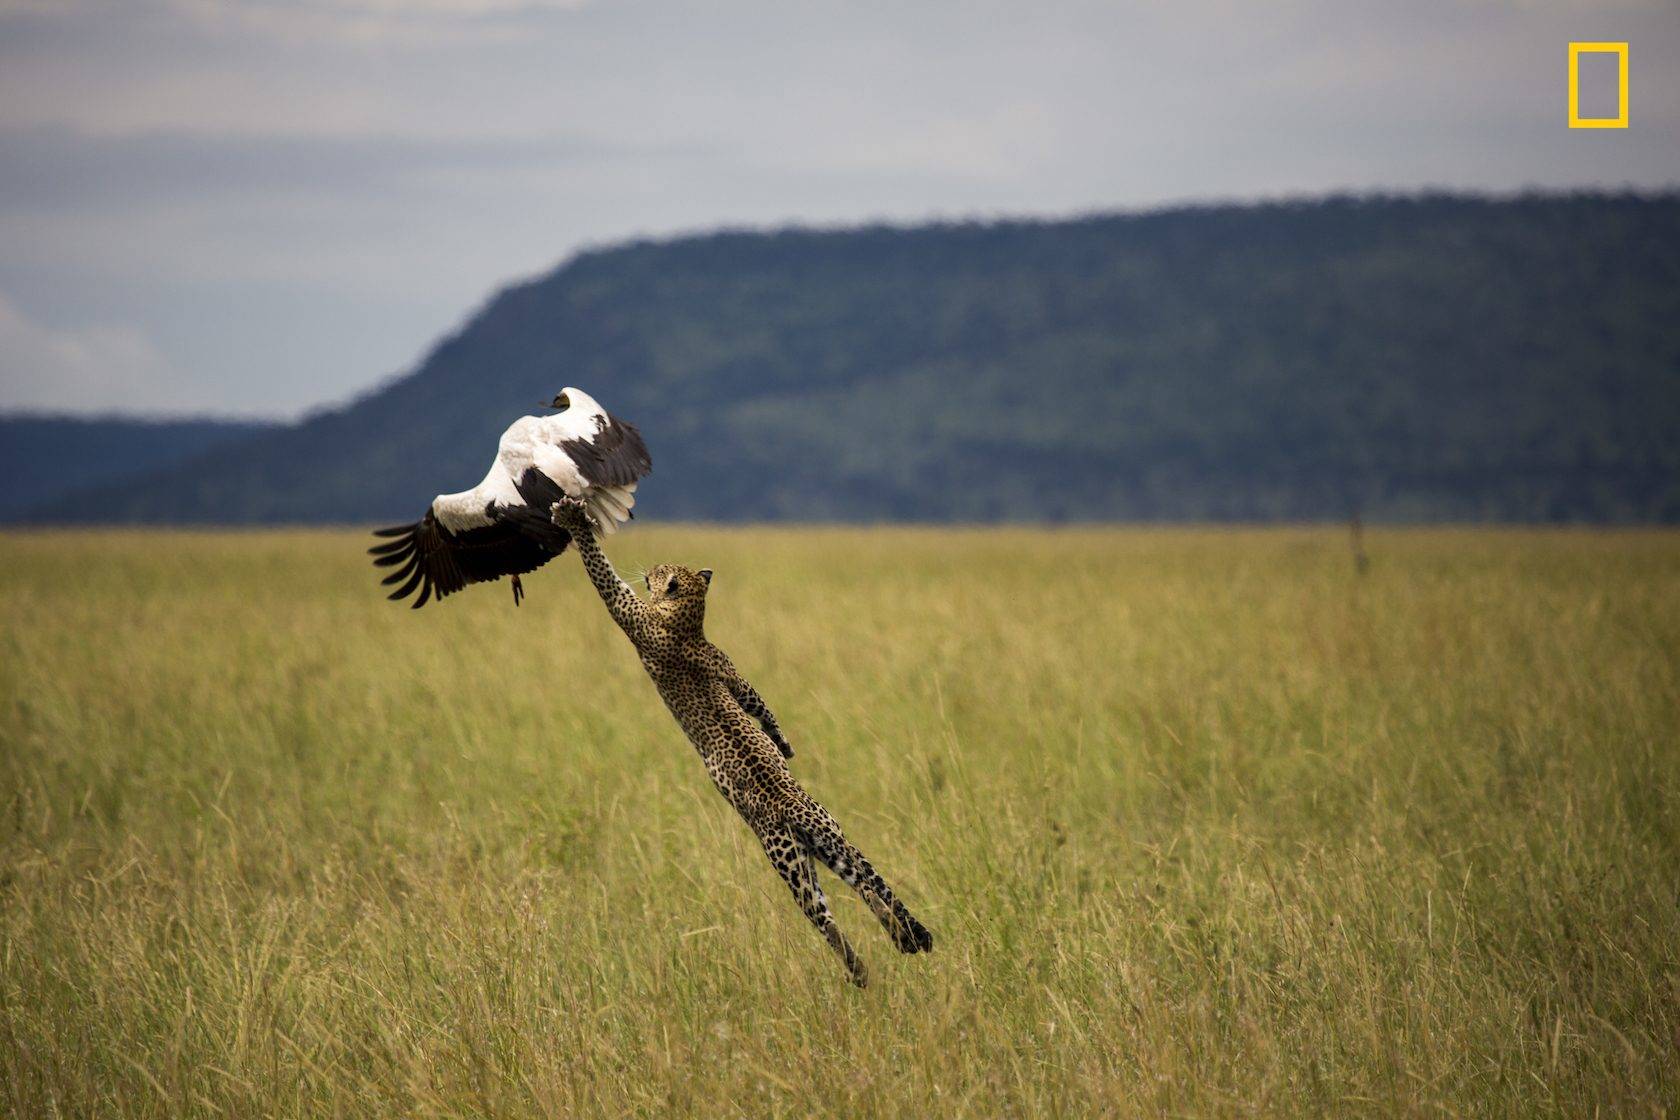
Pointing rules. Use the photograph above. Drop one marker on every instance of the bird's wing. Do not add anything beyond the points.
(436, 561)
(610, 455)
(587, 446)
(613, 454)
(587, 453)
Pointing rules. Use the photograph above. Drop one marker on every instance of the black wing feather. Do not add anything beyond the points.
(438, 562)
(614, 456)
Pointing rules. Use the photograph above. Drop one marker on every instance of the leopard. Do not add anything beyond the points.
(739, 740)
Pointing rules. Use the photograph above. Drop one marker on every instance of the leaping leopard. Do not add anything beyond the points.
(716, 708)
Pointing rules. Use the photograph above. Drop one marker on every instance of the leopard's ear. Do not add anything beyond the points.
(706, 574)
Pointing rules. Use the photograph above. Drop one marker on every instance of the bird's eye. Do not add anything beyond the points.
(671, 587)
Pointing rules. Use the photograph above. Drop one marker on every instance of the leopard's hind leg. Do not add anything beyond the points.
(792, 862)
(823, 835)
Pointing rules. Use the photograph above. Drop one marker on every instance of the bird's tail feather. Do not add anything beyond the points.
(609, 506)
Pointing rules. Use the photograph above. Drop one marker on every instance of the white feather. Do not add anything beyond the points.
(604, 520)
(466, 510)
(608, 500)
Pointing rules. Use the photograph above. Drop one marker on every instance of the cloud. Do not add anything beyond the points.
(301, 9)
(353, 24)
(290, 198)
(462, 8)
(369, 22)
(66, 169)
(92, 368)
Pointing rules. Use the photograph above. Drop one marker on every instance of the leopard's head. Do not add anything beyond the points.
(678, 594)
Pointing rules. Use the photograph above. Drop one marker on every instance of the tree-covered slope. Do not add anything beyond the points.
(1436, 357)
(80, 464)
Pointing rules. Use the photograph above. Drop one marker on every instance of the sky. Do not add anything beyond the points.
(261, 207)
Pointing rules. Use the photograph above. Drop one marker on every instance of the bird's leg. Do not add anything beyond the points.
(518, 590)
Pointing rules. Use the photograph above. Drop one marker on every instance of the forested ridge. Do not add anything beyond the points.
(46, 457)
(1413, 358)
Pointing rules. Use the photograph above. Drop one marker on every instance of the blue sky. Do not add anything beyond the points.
(261, 206)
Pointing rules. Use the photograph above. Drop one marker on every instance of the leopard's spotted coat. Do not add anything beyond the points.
(717, 708)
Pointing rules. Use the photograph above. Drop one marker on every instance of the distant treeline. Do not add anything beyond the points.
(1417, 358)
(49, 461)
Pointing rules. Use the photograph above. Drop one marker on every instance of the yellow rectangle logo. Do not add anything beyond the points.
(1576, 50)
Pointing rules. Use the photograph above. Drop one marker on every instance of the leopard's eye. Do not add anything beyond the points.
(671, 587)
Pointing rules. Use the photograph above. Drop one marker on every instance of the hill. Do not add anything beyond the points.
(72, 463)
(1414, 358)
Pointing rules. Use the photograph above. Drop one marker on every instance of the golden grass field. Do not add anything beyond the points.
(1204, 822)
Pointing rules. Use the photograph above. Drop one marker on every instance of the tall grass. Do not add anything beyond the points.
(1204, 823)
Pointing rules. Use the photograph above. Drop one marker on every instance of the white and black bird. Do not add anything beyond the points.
(501, 527)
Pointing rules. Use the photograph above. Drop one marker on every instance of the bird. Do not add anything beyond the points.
(501, 527)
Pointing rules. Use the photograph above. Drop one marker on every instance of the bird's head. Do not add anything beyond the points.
(679, 593)
(573, 398)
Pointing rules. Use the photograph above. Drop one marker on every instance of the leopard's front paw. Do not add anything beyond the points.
(569, 513)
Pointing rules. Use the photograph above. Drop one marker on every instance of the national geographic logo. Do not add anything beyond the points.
(1598, 84)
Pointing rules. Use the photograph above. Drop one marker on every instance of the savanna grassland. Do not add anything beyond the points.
(1204, 822)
